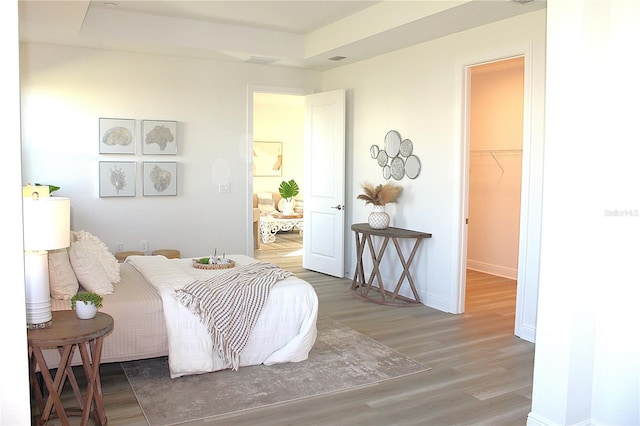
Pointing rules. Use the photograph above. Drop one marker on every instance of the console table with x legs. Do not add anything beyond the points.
(361, 285)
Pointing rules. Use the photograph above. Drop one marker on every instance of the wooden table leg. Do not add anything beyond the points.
(72, 378)
(54, 386)
(405, 265)
(376, 259)
(358, 275)
(35, 383)
(96, 350)
(93, 395)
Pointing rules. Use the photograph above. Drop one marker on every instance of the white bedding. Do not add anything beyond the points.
(285, 330)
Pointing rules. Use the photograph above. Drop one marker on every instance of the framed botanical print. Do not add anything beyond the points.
(159, 178)
(117, 136)
(117, 179)
(159, 137)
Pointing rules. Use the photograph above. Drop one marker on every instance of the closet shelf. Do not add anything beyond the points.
(495, 153)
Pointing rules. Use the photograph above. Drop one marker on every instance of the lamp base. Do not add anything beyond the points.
(41, 325)
(38, 298)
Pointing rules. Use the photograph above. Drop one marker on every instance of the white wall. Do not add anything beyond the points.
(419, 92)
(587, 361)
(65, 91)
(14, 386)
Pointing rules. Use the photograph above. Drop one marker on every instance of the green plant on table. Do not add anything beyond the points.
(89, 297)
(288, 190)
(52, 188)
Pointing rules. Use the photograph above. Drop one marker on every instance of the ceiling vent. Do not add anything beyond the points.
(337, 58)
(261, 60)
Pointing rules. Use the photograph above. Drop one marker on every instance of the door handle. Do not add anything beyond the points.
(339, 207)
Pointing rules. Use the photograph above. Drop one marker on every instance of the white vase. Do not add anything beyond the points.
(85, 310)
(378, 218)
(288, 207)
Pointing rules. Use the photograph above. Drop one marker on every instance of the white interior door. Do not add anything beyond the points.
(324, 176)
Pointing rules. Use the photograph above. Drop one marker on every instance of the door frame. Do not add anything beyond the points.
(251, 91)
(528, 259)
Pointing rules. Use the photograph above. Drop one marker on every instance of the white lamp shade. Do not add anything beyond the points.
(46, 223)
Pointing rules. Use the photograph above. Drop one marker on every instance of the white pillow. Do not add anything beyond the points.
(63, 283)
(101, 251)
(265, 202)
(89, 270)
(96, 268)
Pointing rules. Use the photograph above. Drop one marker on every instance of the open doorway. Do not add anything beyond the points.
(496, 115)
(323, 148)
(277, 121)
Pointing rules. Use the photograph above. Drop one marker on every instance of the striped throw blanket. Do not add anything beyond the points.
(230, 304)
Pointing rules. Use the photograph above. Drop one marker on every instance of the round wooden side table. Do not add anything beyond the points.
(66, 334)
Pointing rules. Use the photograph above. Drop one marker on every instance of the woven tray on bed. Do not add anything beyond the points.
(198, 265)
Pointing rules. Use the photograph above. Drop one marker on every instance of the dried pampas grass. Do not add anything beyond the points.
(381, 194)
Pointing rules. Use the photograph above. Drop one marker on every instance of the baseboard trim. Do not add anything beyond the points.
(487, 268)
(534, 419)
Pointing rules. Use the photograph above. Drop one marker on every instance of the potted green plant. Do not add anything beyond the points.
(86, 304)
(52, 188)
(288, 190)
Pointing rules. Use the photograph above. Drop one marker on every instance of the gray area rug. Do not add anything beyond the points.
(341, 359)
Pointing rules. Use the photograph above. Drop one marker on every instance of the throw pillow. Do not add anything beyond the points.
(101, 252)
(96, 268)
(63, 283)
(90, 272)
(265, 202)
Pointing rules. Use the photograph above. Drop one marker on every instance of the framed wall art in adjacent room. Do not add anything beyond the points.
(117, 136)
(159, 178)
(117, 179)
(159, 137)
(267, 158)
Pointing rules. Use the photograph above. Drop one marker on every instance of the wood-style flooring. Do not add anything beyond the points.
(481, 374)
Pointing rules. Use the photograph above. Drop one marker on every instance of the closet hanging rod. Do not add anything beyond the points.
(496, 151)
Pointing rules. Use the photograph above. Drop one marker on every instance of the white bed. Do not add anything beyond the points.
(285, 330)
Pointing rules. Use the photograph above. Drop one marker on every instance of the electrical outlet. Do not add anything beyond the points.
(119, 247)
(144, 245)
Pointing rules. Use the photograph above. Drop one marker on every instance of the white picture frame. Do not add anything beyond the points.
(117, 179)
(116, 136)
(267, 158)
(159, 178)
(159, 137)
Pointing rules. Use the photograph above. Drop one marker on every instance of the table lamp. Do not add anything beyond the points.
(46, 227)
